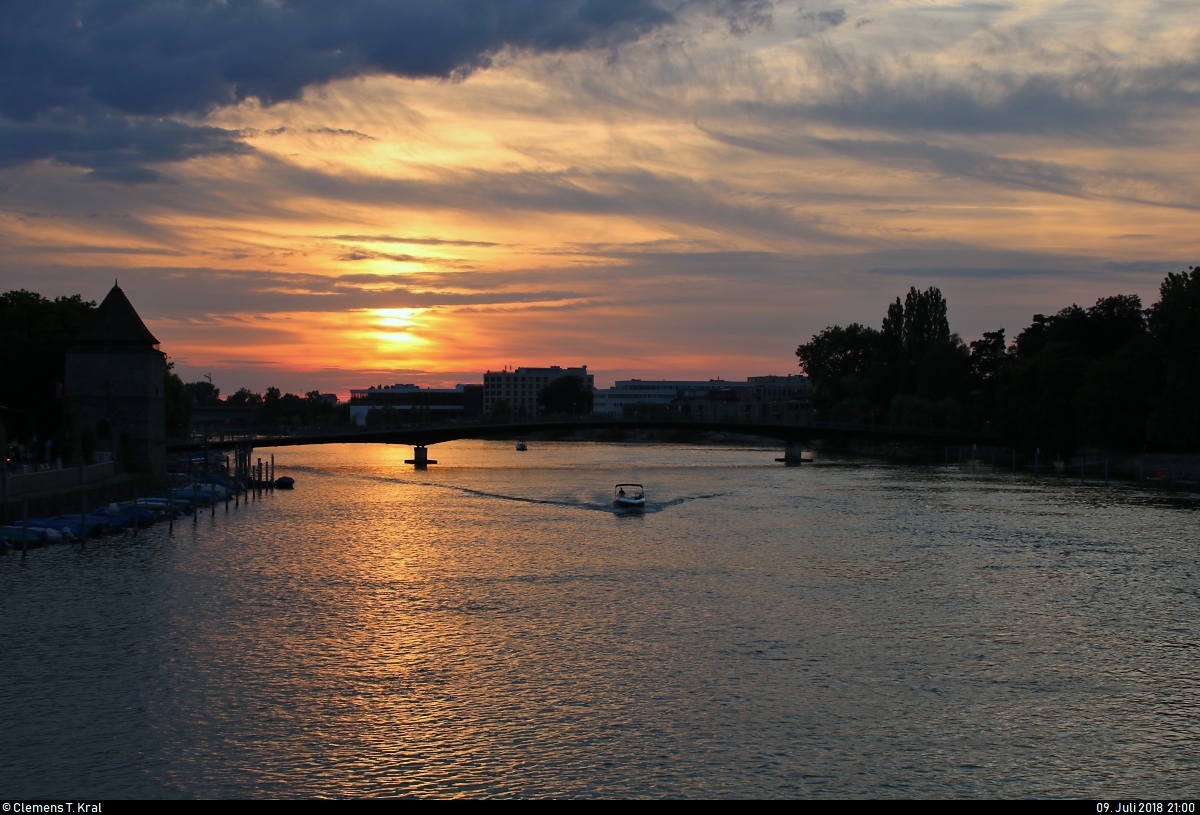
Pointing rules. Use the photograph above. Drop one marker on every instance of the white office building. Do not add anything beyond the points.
(653, 393)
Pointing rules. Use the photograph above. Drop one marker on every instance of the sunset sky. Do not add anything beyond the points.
(340, 194)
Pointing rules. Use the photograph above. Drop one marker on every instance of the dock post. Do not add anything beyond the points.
(24, 526)
(272, 472)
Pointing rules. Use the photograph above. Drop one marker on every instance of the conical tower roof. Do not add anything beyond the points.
(115, 323)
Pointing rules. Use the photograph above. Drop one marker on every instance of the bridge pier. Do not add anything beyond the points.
(793, 455)
(420, 457)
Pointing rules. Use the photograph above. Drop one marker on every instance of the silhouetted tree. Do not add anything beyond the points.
(245, 396)
(567, 395)
(203, 392)
(34, 336)
(178, 403)
(1079, 377)
(838, 361)
(1174, 327)
(860, 374)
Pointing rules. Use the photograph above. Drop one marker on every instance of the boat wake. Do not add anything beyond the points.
(606, 507)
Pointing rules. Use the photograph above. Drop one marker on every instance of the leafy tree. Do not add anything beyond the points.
(203, 392)
(1174, 327)
(567, 395)
(1079, 377)
(179, 402)
(837, 360)
(858, 373)
(244, 396)
(34, 336)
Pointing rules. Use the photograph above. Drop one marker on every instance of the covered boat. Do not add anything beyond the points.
(629, 496)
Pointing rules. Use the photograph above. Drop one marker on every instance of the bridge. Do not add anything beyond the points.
(793, 435)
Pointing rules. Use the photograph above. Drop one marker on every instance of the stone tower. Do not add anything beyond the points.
(114, 386)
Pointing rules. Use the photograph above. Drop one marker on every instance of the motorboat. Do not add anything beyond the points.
(285, 482)
(522, 447)
(629, 496)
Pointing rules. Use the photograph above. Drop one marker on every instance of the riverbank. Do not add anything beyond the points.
(58, 491)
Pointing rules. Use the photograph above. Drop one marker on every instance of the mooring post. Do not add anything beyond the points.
(24, 526)
(136, 510)
(82, 504)
(174, 509)
(272, 472)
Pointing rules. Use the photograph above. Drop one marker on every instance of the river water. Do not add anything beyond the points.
(492, 627)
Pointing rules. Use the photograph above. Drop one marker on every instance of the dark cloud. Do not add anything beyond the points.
(198, 293)
(744, 16)
(114, 147)
(84, 82)
(1087, 96)
(816, 22)
(156, 58)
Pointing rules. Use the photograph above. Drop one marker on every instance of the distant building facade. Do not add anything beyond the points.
(114, 387)
(412, 404)
(759, 398)
(519, 388)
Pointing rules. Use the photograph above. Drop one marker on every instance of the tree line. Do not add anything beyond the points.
(1115, 375)
(273, 408)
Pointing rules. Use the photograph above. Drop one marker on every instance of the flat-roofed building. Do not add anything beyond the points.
(640, 396)
(412, 404)
(519, 388)
(759, 398)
